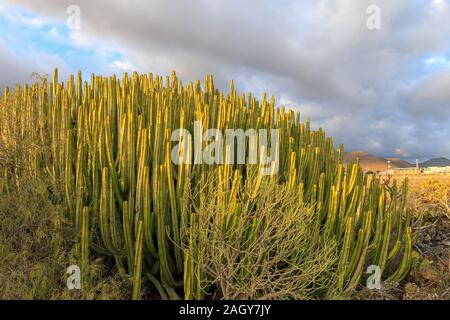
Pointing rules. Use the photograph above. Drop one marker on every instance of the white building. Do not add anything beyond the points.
(436, 170)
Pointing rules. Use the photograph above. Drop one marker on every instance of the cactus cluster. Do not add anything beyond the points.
(110, 148)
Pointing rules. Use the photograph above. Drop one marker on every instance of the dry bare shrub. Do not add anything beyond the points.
(265, 248)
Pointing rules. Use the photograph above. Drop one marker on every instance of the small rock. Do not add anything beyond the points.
(430, 273)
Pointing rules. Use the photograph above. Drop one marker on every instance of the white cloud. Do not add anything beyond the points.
(33, 22)
(440, 6)
(401, 153)
(122, 65)
(54, 33)
(437, 61)
(79, 39)
(15, 16)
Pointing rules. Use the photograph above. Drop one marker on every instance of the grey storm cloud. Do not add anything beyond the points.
(10, 67)
(368, 89)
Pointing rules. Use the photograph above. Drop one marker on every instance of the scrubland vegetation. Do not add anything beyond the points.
(87, 179)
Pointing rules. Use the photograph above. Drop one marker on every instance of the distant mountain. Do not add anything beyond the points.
(436, 162)
(373, 163)
(399, 163)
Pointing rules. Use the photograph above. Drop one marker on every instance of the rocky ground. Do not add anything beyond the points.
(429, 278)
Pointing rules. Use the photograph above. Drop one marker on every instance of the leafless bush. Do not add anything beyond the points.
(268, 247)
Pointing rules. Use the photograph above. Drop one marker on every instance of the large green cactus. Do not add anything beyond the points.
(110, 148)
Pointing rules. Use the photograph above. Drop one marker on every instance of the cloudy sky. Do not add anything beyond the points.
(385, 90)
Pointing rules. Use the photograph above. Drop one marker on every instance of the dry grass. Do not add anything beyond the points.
(429, 195)
(37, 243)
(37, 246)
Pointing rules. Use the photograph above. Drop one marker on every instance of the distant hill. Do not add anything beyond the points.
(436, 162)
(399, 163)
(373, 163)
